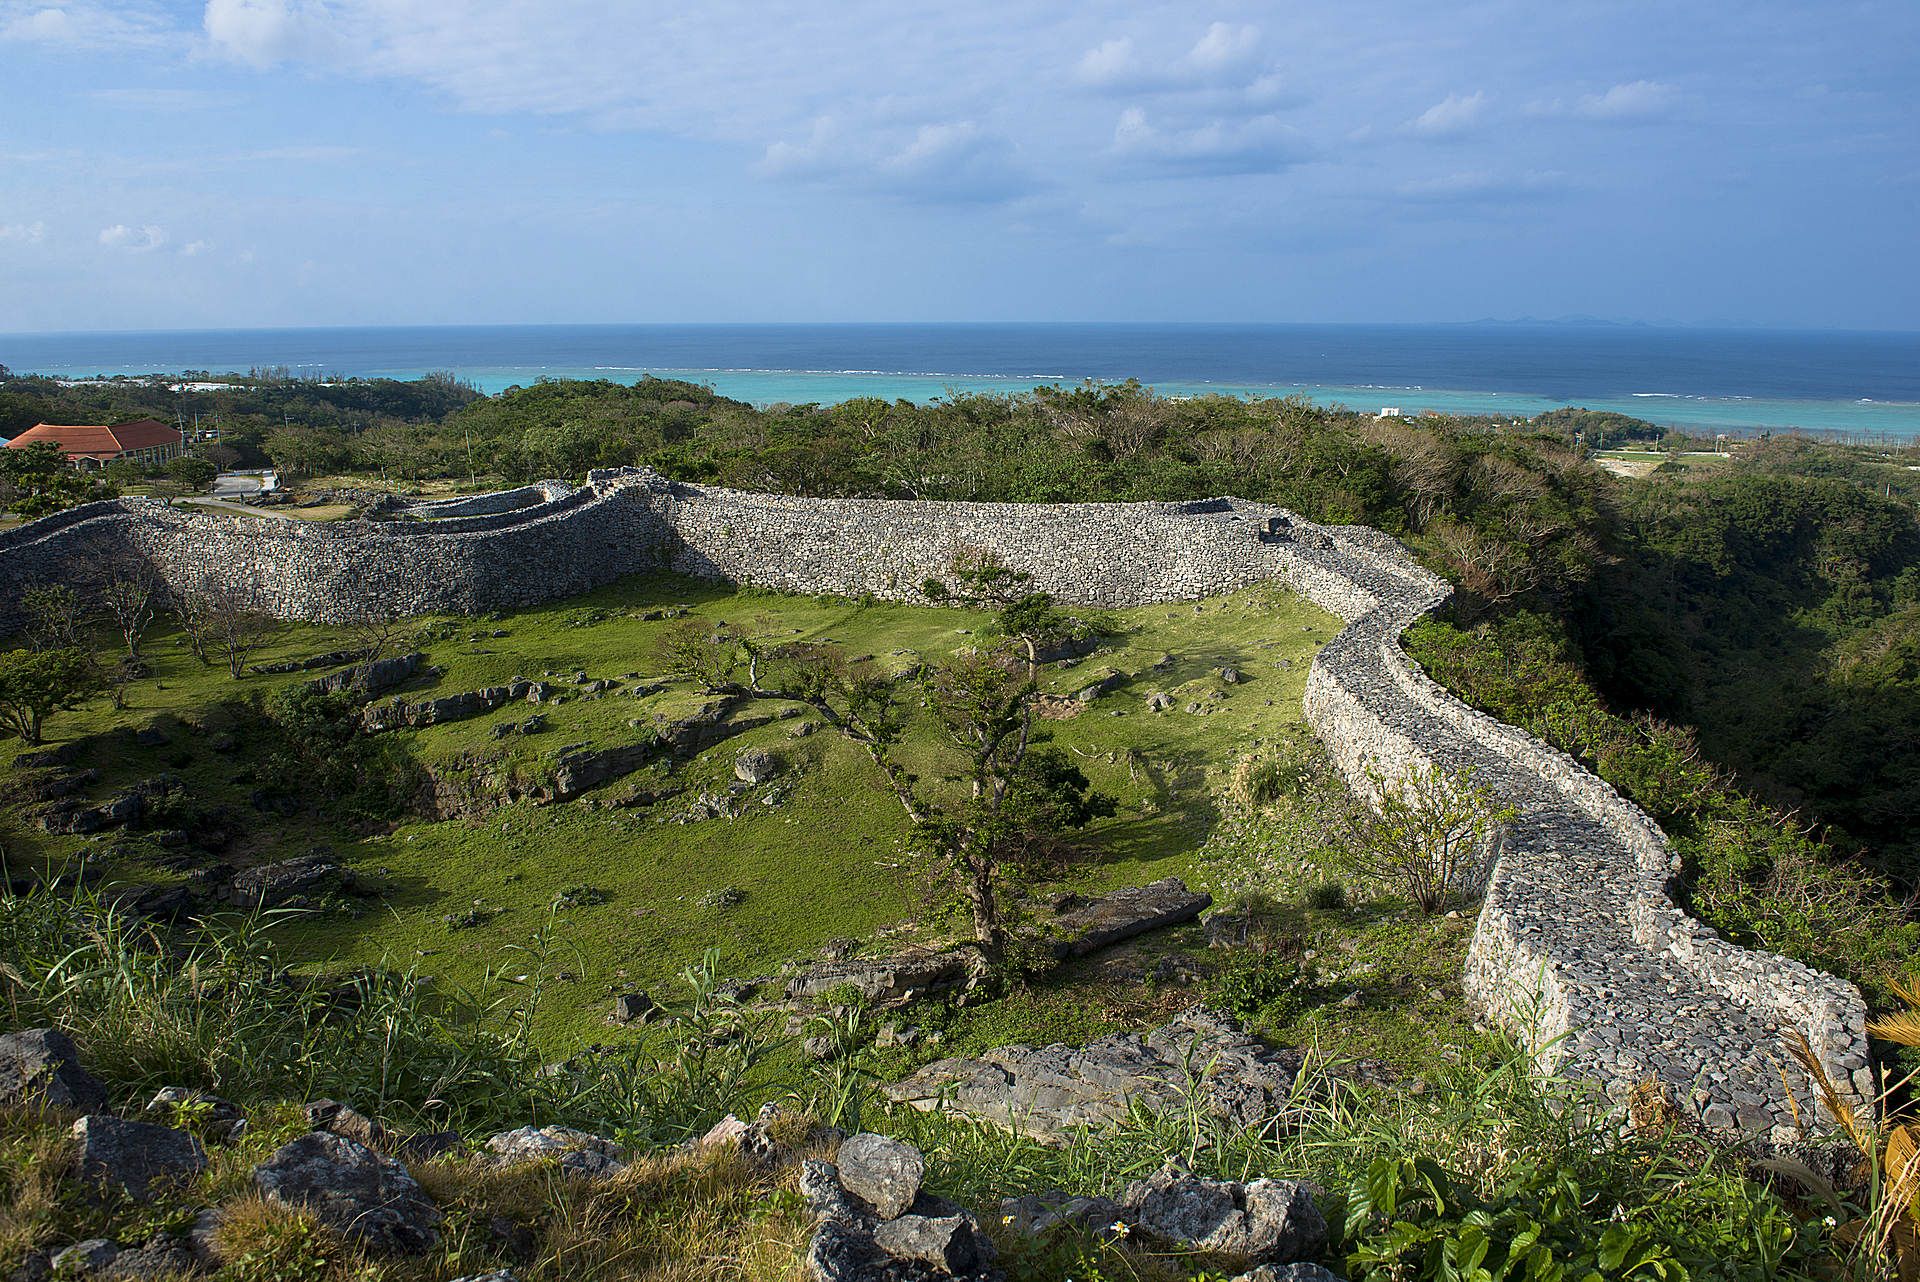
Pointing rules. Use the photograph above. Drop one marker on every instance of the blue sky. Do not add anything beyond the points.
(351, 162)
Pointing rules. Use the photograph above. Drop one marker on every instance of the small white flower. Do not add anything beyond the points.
(1119, 1226)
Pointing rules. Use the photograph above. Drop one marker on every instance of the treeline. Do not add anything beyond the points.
(266, 417)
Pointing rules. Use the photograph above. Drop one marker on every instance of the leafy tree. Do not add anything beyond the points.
(34, 686)
(194, 473)
(39, 481)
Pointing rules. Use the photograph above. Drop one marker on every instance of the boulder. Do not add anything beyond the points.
(1042, 1091)
(946, 1242)
(575, 1152)
(161, 1257)
(40, 1069)
(367, 679)
(578, 771)
(353, 1190)
(1298, 1272)
(883, 1173)
(755, 765)
(883, 980)
(1266, 1221)
(137, 1159)
(1126, 913)
(273, 884)
(82, 1258)
(151, 737)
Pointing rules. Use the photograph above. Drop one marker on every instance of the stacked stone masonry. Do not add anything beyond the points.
(1579, 947)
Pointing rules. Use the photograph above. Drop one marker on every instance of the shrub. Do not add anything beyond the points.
(1326, 896)
(1428, 833)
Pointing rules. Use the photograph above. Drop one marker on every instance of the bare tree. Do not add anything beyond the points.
(129, 590)
(374, 629)
(58, 618)
(237, 623)
(195, 616)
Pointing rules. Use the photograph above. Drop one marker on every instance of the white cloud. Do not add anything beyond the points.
(195, 248)
(1260, 145)
(1227, 59)
(82, 24)
(264, 32)
(1451, 116)
(958, 161)
(953, 161)
(29, 233)
(1641, 100)
(137, 239)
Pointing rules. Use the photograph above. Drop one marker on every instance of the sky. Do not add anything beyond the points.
(244, 163)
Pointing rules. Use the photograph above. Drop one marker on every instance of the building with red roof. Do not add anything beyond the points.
(87, 447)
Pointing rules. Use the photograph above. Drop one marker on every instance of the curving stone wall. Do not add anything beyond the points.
(1579, 946)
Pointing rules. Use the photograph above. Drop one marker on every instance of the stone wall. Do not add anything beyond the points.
(1579, 946)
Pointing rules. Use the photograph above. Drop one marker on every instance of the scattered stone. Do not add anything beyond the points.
(335, 1118)
(1302, 1271)
(1160, 701)
(1268, 1221)
(354, 1190)
(1036, 1214)
(628, 1007)
(1230, 674)
(946, 1242)
(138, 1159)
(40, 1069)
(575, 1152)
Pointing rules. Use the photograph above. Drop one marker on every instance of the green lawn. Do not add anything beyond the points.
(823, 861)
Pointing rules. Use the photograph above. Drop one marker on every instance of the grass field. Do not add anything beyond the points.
(814, 855)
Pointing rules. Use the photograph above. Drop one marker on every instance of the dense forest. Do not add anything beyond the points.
(1734, 641)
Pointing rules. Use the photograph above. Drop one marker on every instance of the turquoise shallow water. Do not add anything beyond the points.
(1864, 385)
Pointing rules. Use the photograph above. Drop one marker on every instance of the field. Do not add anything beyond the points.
(593, 898)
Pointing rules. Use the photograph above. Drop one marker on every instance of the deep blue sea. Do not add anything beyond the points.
(1856, 382)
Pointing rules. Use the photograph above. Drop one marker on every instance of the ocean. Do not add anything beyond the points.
(1865, 385)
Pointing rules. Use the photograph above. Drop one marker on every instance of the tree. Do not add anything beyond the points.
(223, 457)
(1429, 831)
(34, 686)
(58, 618)
(194, 473)
(38, 481)
(129, 588)
(234, 622)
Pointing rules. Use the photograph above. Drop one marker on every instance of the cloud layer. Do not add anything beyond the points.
(806, 151)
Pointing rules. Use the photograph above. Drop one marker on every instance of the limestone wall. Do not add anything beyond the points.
(1578, 946)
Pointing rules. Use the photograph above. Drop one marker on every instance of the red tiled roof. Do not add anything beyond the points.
(87, 441)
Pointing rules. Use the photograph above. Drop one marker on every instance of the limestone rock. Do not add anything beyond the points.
(1298, 1272)
(354, 1190)
(83, 1258)
(898, 978)
(138, 1159)
(370, 678)
(40, 1068)
(273, 884)
(576, 1152)
(946, 1242)
(336, 1118)
(1042, 1091)
(628, 1007)
(161, 1257)
(1126, 913)
(1269, 1221)
(883, 1173)
(755, 765)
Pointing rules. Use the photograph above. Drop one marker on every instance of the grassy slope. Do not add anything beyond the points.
(824, 862)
